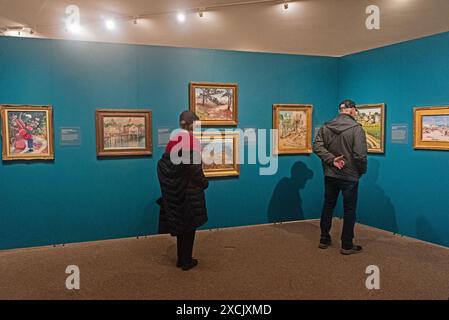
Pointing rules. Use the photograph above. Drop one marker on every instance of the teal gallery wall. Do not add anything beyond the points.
(405, 190)
(78, 197)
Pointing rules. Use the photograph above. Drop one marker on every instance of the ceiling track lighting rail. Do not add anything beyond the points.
(180, 14)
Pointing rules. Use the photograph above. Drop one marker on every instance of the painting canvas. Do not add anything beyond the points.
(432, 128)
(372, 119)
(294, 128)
(435, 128)
(220, 154)
(214, 103)
(123, 132)
(27, 132)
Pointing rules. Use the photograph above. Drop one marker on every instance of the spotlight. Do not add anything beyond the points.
(285, 5)
(134, 20)
(201, 13)
(110, 24)
(181, 17)
(31, 31)
(74, 28)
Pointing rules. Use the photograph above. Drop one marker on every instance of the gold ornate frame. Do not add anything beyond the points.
(382, 108)
(419, 113)
(308, 108)
(235, 171)
(215, 85)
(100, 114)
(4, 109)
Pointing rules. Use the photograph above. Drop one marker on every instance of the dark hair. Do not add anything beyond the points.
(347, 104)
(186, 126)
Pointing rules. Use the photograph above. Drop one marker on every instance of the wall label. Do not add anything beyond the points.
(163, 135)
(399, 133)
(70, 136)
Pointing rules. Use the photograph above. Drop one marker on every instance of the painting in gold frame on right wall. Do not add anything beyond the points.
(431, 128)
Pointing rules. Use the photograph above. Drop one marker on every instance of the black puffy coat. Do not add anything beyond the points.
(183, 203)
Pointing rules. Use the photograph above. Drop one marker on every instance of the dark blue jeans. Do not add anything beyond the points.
(349, 189)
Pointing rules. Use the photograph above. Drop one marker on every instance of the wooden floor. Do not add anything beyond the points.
(260, 262)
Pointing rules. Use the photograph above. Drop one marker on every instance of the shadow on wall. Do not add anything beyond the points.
(286, 203)
(426, 232)
(375, 207)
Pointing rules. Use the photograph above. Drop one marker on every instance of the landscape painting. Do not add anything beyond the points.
(293, 123)
(27, 132)
(432, 128)
(435, 128)
(214, 103)
(123, 132)
(372, 119)
(220, 154)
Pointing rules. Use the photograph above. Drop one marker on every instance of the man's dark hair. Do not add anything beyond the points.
(347, 104)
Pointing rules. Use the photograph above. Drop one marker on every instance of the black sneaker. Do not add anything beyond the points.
(179, 264)
(192, 264)
(324, 244)
(353, 250)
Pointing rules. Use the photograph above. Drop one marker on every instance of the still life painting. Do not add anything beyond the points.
(27, 132)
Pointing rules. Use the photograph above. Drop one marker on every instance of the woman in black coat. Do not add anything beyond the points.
(183, 203)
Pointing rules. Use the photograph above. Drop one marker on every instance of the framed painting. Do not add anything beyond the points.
(124, 132)
(293, 124)
(27, 132)
(220, 153)
(372, 119)
(216, 104)
(431, 128)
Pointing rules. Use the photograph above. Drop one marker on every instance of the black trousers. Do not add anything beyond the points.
(349, 189)
(185, 246)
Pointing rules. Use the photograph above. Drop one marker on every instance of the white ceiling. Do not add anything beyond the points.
(315, 27)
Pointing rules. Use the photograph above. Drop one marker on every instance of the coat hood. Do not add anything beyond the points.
(342, 123)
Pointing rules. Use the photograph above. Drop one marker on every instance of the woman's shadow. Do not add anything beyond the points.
(286, 203)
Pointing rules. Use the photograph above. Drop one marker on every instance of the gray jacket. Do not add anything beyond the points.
(342, 136)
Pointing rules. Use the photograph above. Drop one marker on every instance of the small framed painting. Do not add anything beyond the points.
(216, 104)
(27, 132)
(431, 128)
(220, 153)
(124, 132)
(372, 119)
(293, 124)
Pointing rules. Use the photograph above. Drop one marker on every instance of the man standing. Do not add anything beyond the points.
(341, 145)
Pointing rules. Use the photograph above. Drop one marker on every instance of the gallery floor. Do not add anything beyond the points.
(261, 262)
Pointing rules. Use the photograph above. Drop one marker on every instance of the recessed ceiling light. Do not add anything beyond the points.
(110, 24)
(74, 28)
(181, 17)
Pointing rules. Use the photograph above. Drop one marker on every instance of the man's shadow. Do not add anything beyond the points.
(286, 202)
(426, 231)
(375, 207)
